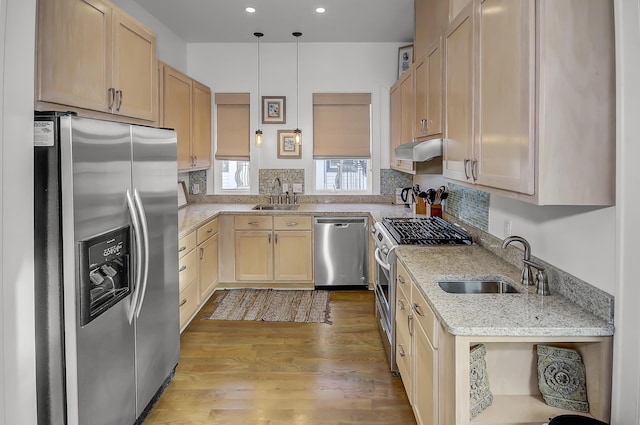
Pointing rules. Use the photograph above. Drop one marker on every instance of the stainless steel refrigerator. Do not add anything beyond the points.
(106, 277)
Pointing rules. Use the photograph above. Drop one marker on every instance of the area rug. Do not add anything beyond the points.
(270, 305)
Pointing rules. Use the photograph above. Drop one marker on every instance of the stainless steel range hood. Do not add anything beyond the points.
(419, 151)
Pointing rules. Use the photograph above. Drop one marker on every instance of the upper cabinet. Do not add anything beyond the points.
(92, 56)
(427, 84)
(431, 20)
(185, 106)
(525, 83)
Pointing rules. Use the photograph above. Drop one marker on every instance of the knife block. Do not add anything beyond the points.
(434, 210)
(421, 207)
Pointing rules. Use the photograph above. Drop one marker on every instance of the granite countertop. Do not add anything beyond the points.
(193, 215)
(522, 314)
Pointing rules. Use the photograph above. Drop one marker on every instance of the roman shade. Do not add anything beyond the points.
(341, 125)
(232, 140)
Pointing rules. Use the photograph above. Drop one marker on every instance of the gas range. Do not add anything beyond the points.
(426, 231)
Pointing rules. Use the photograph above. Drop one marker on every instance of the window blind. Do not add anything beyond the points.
(233, 140)
(341, 125)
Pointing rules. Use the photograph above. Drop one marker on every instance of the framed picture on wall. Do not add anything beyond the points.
(405, 58)
(274, 110)
(287, 147)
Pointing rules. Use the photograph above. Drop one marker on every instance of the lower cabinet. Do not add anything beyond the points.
(436, 371)
(198, 269)
(273, 248)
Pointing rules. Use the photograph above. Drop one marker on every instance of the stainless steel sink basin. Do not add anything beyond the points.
(477, 287)
(276, 207)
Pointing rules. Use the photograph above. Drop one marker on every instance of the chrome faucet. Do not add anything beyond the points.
(527, 273)
(278, 185)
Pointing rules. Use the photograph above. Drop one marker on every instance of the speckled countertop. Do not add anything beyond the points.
(191, 216)
(522, 314)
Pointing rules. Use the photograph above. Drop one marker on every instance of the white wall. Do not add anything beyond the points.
(578, 240)
(171, 49)
(17, 330)
(323, 67)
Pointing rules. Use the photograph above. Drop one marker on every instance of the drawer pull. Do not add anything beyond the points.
(400, 305)
(182, 248)
(401, 279)
(401, 350)
(253, 223)
(418, 309)
(183, 268)
(183, 302)
(209, 230)
(292, 223)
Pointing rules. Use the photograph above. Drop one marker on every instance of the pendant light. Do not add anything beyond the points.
(297, 132)
(258, 131)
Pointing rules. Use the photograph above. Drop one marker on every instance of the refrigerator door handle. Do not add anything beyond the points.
(138, 259)
(145, 241)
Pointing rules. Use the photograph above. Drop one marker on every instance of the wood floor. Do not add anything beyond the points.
(266, 373)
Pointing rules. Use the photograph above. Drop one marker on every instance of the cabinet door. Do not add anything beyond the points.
(395, 123)
(425, 383)
(201, 136)
(505, 132)
(176, 106)
(74, 53)
(134, 69)
(407, 117)
(421, 87)
(254, 255)
(293, 256)
(434, 89)
(207, 267)
(458, 96)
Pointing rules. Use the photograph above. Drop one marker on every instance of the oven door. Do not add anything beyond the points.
(385, 301)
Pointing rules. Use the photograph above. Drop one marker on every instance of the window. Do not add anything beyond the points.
(342, 141)
(235, 175)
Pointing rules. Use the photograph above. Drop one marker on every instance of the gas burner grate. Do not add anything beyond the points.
(426, 231)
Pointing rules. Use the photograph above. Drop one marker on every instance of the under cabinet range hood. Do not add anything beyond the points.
(419, 151)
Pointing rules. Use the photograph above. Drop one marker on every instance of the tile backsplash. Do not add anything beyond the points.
(469, 205)
(287, 176)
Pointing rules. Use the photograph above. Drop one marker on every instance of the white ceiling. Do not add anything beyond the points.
(226, 21)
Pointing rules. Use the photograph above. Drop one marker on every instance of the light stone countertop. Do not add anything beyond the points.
(193, 215)
(522, 314)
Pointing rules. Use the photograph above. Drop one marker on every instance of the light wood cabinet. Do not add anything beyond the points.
(431, 19)
(186, 107)
(91, 56)
(427, 82)
(273, 249)
(402, 116)
(197, 269)
(514, 75)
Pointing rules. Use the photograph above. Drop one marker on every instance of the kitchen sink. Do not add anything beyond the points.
(276, 207)
(477, 287)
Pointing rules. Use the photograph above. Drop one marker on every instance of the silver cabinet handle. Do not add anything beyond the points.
(292, 223)
(401, 279)
(275, 238)
(401, 350)
(183, 268)
(269, 237)
(183, 302)
(195, 160)
(400, 305)
(418, 309)
(466, 164)
(119, 96)
(253, 223)
(423, 126)
(112, 96)
(201, 253)
(474, 166)
(182, 248)
(410, 324)
(209, 230)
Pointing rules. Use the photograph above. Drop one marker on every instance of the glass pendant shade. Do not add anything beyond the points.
(258, 137)
(298, 136)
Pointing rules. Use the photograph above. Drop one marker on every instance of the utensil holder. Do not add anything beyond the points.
(434, 210)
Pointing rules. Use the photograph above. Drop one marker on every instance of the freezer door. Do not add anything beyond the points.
(157, 325)
(95, 176)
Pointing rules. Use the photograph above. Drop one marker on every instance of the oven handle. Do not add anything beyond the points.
(380, 261)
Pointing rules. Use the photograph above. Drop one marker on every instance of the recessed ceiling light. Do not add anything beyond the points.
(320, 10)
(250, 9)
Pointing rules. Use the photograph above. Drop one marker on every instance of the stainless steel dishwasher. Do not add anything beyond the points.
(340, 251)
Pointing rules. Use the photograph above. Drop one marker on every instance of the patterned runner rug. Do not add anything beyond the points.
(272, 305)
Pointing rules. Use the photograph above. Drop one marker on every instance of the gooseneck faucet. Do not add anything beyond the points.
(278, 186)
(527, 273)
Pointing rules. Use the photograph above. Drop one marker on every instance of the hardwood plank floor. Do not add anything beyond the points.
(268, 373)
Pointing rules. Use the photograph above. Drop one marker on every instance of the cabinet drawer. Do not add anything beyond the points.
(292, 222)
(186, 244)
(188, 303)
(404, 281)
(423, 313)
(253, 222)
(403, 342)
(207, 230)
(187, 269)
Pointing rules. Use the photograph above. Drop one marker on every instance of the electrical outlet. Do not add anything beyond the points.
(195, 188)
(297, 187)
(285, 187)
(507, 227)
